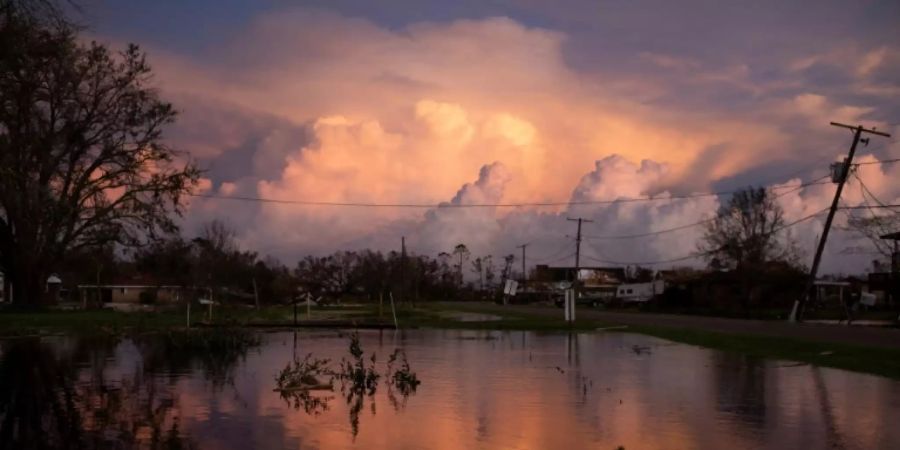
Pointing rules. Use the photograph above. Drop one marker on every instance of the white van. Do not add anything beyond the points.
(640, 292)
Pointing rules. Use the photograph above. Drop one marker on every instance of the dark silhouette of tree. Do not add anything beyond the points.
(462, 252)
(478, 269)
(748, 232)
(747, 236)
(81, 151)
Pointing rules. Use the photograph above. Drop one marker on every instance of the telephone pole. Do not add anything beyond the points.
(797, 313)
(524, 274)
(576, 284)
(402, 268)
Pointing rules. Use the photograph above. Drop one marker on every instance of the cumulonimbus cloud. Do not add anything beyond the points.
(488, 111)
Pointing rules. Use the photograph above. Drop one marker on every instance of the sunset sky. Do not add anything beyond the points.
(474, 102)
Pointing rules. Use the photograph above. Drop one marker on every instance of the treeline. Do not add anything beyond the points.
(213, 264)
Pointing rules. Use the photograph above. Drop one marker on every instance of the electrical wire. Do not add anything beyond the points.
(479, 205)
(698, 254)
(891, 206)
(545, 261)
(886, 161)
(691, 225)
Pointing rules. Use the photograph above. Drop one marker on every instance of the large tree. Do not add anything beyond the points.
(750, 237)
(81, 151)
(747, 232)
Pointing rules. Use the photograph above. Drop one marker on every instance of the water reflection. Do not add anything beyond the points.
(46, 402)
(482, 389)
(740, 383)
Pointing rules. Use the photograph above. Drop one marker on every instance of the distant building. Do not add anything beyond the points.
(589, 276)
(598, 283)
(51, 294)
(132, 290)
(885, 283)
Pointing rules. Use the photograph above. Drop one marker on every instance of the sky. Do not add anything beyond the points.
(518, 101)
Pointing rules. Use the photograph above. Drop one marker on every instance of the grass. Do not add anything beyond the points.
(99, 321)
(874, 360)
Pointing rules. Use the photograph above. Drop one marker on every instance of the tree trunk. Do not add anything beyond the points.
(27, 287)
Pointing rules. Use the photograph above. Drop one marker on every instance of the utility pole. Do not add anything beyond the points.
(576, 284)
(797, 313)
(524, 274)
(402, 268)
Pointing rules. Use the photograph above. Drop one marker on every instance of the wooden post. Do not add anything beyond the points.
(256, 293)
(394, 311)
(188, 314)
(308, 305)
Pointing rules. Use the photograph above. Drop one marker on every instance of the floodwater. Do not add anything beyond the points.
(510, 390)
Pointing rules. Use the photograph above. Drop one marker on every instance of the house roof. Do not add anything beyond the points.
(133, 281)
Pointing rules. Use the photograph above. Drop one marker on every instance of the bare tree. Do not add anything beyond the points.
(463, 253)
(748, 235)
(81, 151)
(747, 232)
(489, 270)
(875, 226)
(478, 268)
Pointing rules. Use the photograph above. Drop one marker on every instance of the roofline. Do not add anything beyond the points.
(136, 286)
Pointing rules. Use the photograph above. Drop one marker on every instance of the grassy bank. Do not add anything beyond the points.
(874, 360)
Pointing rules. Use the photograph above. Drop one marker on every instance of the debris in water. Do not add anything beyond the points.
(640, 349)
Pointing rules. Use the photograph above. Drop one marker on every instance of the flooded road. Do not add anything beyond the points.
(479, 390)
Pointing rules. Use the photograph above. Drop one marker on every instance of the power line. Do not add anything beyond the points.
(701, 254)
(480, 205)
(865, 190)
(891, 206)
(649, 233)
(553, 256)
(570, 255)
(886, 161)
(691, 225)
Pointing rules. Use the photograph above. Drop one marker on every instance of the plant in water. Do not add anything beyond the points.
(298, 379)
(354, 374)
(304, 374)
(358, 377)
(403, 378)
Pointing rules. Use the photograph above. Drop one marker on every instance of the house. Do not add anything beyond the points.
(597, 283)
(773, 286)
(589, 276)
(136, 290)
(884, 282)
(51, 295)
